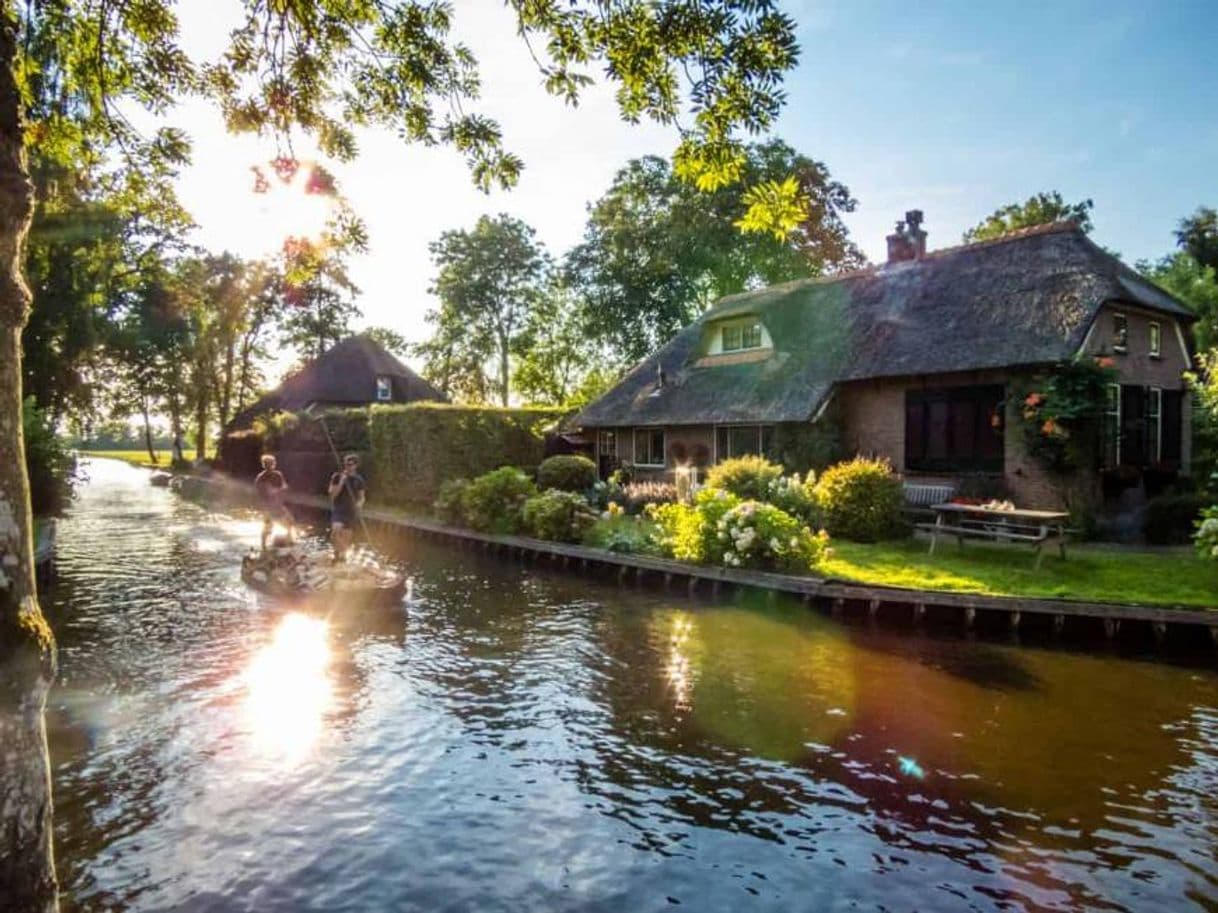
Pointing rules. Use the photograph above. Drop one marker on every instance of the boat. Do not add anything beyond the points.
(291, 572)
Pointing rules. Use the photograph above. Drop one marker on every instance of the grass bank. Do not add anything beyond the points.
(1089, 572)
(138, 457)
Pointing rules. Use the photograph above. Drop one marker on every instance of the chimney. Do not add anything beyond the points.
(908, 242)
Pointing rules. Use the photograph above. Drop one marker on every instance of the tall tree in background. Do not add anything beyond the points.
(320, 303)
(489, 280)
(1198, 236)
(1038, 209)
(390, 340)
(656, 252)
(555, 355)
(1193, 283)
(325, 69)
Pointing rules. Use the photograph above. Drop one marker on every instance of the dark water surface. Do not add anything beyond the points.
(514, 739)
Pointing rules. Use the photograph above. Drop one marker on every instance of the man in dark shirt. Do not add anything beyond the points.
(272, 488)
(347, 490)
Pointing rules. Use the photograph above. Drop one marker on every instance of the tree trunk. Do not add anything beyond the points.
(147, 429)
(201, 425)
(175, 426)
(504, 375)
(226, 390)
(27, 647)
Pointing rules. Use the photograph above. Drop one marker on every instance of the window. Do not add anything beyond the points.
(746, 335)
(648, 448)
(1112, 426)
(608, 444)
(958, 429)
(384, 389)
(742, 440)
(1156, 336)
(1154, 425)
(1120, 333)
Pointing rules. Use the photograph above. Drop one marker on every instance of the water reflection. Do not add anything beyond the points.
(288, 687)
(544, 741)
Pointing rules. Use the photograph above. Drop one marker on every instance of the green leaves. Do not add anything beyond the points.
(1038, 209)
(775, 208)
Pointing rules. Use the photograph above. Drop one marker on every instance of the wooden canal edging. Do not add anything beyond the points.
(839, 596)
(1179, 624)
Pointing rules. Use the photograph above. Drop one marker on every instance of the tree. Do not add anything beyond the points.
(320, 305)
(1194, 284)
(1038, 209)
(323, 69)
(554, 356)
(1198, 236)
(390, 340)
(656, 251)
(488, 281)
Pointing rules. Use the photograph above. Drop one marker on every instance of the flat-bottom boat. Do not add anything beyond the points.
(290, 572)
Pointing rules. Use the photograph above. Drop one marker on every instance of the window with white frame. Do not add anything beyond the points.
(1112, 426)
(608, 444)
(745, 334)
(1154, 424)
(384, 389)
(742, 440)
(1156, 340)
(648, 447)
(1120, 333)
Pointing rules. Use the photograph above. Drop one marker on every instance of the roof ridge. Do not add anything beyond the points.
(1031, 231)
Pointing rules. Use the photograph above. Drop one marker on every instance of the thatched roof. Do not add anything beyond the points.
(1025, 299)
(345, 375)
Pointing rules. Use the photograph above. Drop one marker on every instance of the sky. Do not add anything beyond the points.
(952, 108)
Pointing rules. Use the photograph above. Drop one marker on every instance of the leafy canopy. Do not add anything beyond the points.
(1198, 236)
(1038, 209)
(656, 251)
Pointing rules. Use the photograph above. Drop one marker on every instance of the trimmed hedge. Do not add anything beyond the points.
(566, 473)
(559, 516)
(415, 448)
(494, 502)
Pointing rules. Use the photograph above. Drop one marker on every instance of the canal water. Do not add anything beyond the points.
(516, 739)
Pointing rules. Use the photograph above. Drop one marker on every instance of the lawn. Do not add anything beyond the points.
(138, 457)
(1089, 572)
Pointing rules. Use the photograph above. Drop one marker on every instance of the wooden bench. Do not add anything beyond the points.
(970, 521)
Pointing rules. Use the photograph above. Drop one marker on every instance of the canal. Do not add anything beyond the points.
(520, 739)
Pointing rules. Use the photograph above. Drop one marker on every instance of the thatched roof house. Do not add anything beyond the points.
(914, 356)
(355, 372)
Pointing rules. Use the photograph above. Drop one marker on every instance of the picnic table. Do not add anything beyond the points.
(998, 524)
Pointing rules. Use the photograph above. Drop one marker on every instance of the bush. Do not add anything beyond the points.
(415, 448)
(689, 532)
(763, 536)
(449, 506)
(559, 516)
(492, 503)
(861, 500)
(1170, 518)
(1206, 538)
(796, 496)
(625, 535)
(637, 496)
(566, 473)
(747, 477)
(48, 463)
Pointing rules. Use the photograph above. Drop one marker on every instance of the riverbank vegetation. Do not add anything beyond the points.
(164, 459)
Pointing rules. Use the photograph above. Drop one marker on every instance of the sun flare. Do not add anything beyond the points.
(288, 687)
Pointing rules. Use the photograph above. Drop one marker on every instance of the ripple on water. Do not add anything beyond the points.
(526, 740)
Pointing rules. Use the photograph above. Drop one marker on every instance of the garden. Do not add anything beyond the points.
(849, 523)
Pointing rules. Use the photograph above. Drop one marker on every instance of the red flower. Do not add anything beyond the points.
(1048, 427)
(1033, 399)
(1105, 361)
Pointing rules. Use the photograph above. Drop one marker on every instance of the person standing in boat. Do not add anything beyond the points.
(347, 490)
(272, 489)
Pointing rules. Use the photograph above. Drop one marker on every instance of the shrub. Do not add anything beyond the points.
(689, 532)
(50, 466)
(492, 503)
(761, 535)
(567, 473)
(747, 477)
(559, 516)
(1206, 538)
(623, 534)
(861, 500)
(449, 506)
(637, 496)
(1169, 518)
(796, 496)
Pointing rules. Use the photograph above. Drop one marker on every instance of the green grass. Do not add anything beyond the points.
(1089, 572)
(138, 457)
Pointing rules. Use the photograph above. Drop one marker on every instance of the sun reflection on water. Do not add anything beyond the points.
(288, 687)
(679, 669)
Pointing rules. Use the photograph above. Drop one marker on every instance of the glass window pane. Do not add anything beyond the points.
(744, 441)
(1120, 332)
(1154, 339)
(721, 444)
(731, 338)
(752, 336)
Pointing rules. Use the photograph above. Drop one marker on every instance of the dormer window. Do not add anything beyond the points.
(745, 334)
(384, 389)
(1120, 333)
